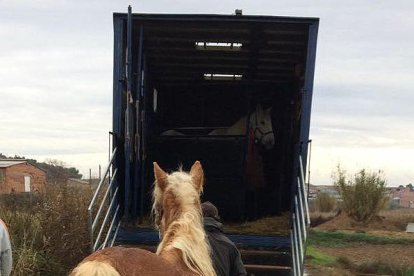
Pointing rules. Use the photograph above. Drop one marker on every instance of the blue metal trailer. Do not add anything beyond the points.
(191, 74)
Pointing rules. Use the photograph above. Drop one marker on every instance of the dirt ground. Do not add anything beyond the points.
(327, 271)
(388, 224)
(393, 221)
(392, 253)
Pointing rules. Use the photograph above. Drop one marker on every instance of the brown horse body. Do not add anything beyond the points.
(135, 261)
(183, 249)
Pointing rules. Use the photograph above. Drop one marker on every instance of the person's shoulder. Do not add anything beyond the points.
(223, 238)
(3, 226)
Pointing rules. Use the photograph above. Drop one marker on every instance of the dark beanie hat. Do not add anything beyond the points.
(209, 210)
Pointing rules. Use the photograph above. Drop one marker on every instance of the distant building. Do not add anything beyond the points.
(20, 176)
(404, 196)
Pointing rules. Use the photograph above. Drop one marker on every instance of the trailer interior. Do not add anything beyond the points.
(202, 76)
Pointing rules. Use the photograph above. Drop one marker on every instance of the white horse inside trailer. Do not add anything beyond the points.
(260, 125)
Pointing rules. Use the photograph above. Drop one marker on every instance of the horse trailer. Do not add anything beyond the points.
(235, 93)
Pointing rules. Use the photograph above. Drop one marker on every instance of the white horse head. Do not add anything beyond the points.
(261, 125)
(260, 122)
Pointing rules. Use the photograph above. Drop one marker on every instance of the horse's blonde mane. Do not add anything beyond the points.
(186, 233)
(94, 268)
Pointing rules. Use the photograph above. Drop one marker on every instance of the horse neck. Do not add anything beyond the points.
(187, 235)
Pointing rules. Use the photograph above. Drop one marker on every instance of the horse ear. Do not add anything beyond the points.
(160, 177)
(197, 174)
(260, 111)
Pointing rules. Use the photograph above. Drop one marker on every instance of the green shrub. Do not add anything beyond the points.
(363, 196)
(324, 202)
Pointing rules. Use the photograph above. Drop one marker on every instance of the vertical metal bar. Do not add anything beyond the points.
(143, 134)
(294, 192)
(140, 64)
(299, 230)
(129, 50)
(109, 157)
(109, 146)
(118, 100)
(303, 189)
(302, 216)
(127, 117)
(309, 163)
(139, 105)
(247, 145)
(143, 168)
(295, 237)
(293, 252)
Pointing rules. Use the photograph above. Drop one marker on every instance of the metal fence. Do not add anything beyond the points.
(300, 223)
(105, 201)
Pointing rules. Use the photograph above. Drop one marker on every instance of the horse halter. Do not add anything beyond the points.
(261, 132)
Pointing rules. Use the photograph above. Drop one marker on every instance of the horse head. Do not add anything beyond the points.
(176, 193)
(261, 123)
(177, 212)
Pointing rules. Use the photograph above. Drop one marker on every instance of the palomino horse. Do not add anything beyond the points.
(183, 249)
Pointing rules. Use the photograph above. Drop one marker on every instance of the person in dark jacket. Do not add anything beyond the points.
(225, 255)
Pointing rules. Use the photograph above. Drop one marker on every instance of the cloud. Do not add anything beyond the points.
(56, 78)
(390, 160)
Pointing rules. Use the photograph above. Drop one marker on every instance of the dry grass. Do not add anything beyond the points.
(278, 225)
(48, 230)
(399, 218)
(266, 226)
(318, 218)
(389, 221)
(324, 202)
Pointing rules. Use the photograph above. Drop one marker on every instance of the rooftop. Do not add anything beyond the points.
(5, 163)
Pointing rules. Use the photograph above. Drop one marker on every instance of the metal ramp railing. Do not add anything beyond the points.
(109, 204)
(300, 223)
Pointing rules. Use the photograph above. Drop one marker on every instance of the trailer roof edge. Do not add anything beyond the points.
(219, 17)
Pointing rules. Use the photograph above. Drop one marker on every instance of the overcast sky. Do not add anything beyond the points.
(56, 79)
